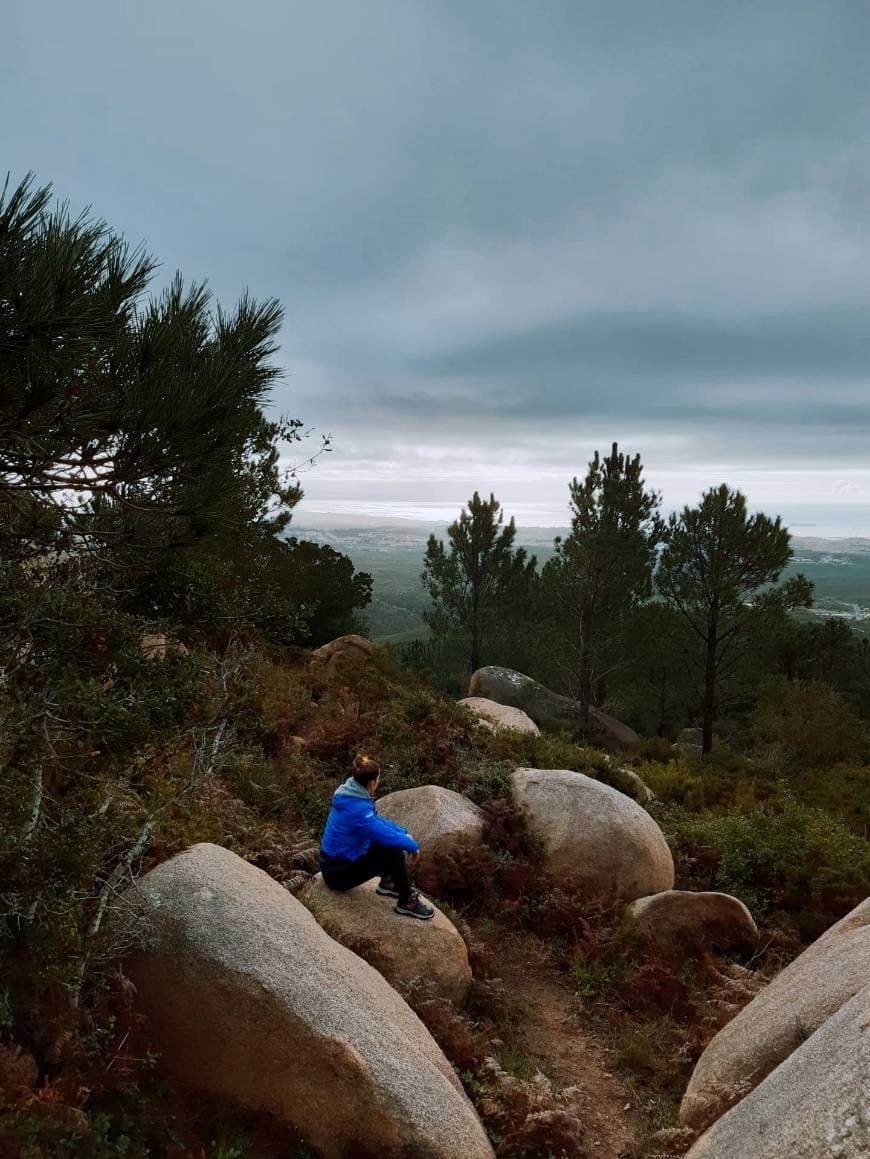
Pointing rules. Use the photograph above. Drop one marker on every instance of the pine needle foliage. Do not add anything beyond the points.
(477, 580)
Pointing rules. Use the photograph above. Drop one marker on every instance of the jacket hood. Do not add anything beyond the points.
(351, 788)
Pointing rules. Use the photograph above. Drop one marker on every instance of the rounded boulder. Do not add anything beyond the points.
(343, 657)
(439, 819)
(814, 1105)
(594, 838)
(681, 923)
(550, 709)
(778, 1020)
(248, 999)
(498, 716)
(406, 951)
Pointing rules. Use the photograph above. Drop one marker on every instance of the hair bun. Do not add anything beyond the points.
(365, 764)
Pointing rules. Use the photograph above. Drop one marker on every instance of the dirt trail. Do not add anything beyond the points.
(565, 1050)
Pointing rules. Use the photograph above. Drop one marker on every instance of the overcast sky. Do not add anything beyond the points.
(504, 233)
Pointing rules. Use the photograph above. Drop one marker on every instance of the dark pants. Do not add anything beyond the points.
(377, 861)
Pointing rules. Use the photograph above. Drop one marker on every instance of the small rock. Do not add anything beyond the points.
(681, 923)
(689, 742)
(498, 716)
(634, 786)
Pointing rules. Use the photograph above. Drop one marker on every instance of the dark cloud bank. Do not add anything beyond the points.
(503, 232)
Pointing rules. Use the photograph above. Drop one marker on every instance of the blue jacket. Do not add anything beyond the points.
(353, 824)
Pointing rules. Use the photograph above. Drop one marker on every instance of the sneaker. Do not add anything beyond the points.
(386, 887)
(415, 907)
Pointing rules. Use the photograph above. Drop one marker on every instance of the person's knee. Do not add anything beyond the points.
(394, 855)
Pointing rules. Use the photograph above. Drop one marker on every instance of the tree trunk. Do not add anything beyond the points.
(475, 627)
(585, 671)
(475, 653)
(663, 724)
(709, 711)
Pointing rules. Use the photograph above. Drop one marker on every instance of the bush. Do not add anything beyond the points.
(843, 791)
(807, 725)
(789, 857)
(720, 780)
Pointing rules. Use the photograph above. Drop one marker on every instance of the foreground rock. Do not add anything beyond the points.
(680, 923)
(498, 716)
(440, 820)
(779, 1019)
(248, 999)
(548, 709)
(405, 951)
(594, 837)
(815, 1105)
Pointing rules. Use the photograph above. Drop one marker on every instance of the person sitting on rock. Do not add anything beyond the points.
(357, 844)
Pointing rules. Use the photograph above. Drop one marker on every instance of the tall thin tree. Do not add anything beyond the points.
(716, 559)
(477, 577)
(605, 566)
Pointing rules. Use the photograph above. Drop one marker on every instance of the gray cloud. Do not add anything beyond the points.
(503, 232)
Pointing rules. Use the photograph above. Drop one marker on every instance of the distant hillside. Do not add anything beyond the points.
(391, 550)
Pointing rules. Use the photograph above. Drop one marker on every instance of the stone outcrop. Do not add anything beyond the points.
(157, 646)
(343, 656)
(680, 923)
(634, 786)
(777, 1021)
(248, 999)
(595, 838)
(437, 818)
(405, 951)
(814, 1105)
(550, 710)
(689, 742)
(497, 716)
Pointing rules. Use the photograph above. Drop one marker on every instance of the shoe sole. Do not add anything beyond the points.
(409, 913)
(386, 892)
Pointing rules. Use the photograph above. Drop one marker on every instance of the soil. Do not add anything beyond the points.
(566, 1049)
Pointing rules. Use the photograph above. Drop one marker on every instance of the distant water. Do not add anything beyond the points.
(525, 514)
(825, 524)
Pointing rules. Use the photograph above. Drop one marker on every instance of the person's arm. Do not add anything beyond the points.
(386, 832)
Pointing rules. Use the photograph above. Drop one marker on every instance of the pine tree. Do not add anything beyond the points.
(715, 561)
(604, 567)
(477, 579)
(136, 425)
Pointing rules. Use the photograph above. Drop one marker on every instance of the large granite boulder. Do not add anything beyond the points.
(548, 709)
(405, 951)
(775, 1023)
(680, 923)
(814, 1105)
(248, 999)
(594, 838)
(439, 819)
(498, 716)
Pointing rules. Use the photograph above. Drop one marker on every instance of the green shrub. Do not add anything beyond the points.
(722, 779)
(807, 725)
(788, 857)
(843, 791)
